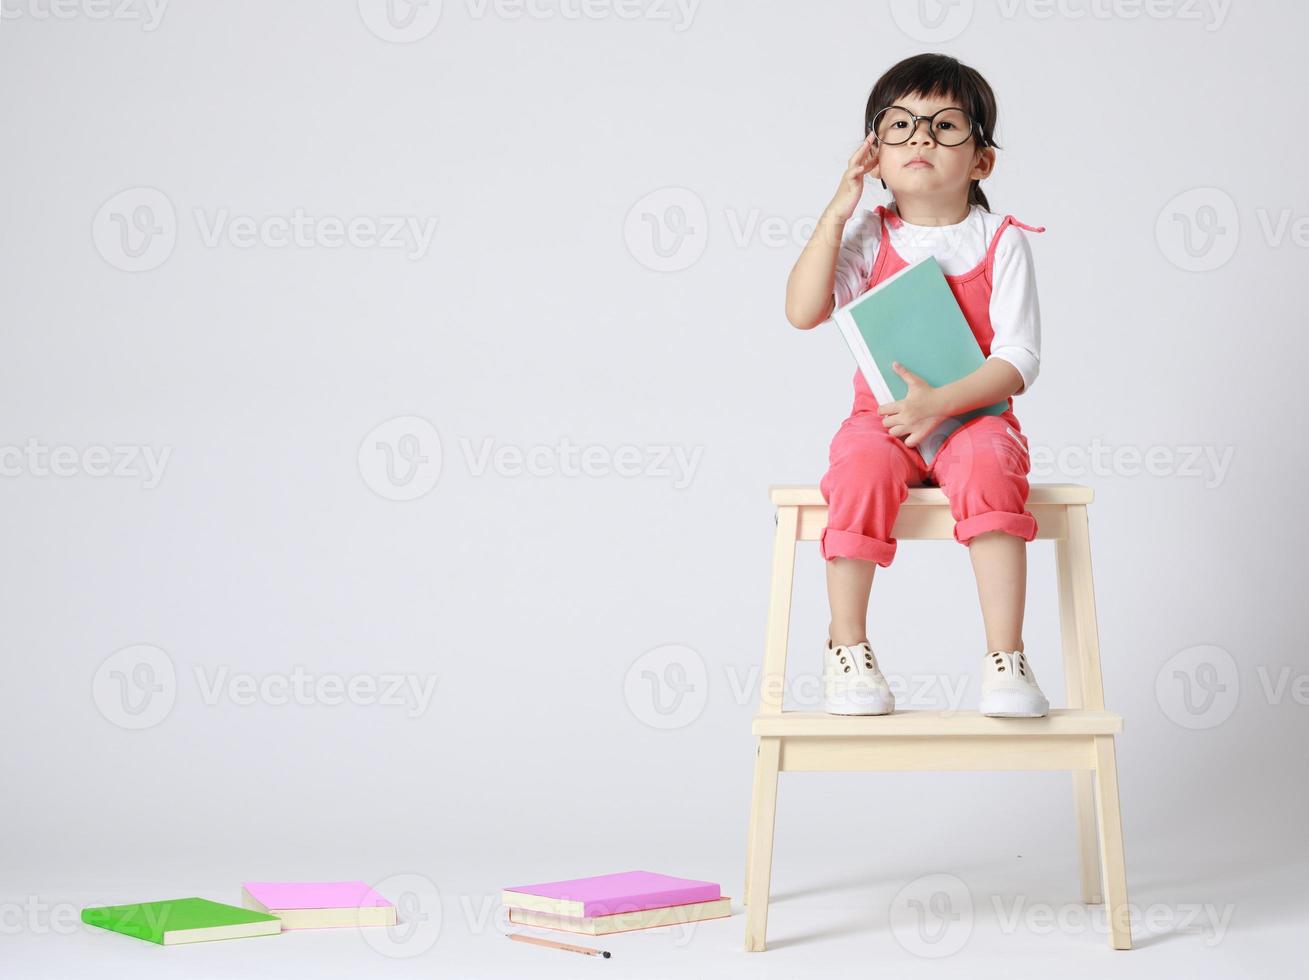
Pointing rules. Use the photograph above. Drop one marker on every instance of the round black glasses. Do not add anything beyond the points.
(951, 126)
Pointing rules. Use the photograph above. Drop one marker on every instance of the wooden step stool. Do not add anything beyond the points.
(1079, 737)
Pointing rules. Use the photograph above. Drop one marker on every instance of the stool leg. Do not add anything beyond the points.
(749, 840)
(763, 812)
(1072, 564)
(1088, 845)
(772, 683)
(1111, 843)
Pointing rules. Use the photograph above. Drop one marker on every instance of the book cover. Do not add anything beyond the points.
(604, 925)
(627, 891)
(319, 904)
(182, 920)
(913, 317)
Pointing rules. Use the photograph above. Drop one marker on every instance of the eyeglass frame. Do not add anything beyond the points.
(974, 131)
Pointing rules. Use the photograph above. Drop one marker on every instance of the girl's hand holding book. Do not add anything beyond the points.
(914, 416)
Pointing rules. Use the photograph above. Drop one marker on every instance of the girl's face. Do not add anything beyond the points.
(922, 167)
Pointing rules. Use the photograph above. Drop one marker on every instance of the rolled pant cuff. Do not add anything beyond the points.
(1020, 525)
(834, 543)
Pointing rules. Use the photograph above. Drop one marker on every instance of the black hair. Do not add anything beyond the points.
(939, 76)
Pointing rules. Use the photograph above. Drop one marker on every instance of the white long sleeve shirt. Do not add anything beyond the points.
(958, 248)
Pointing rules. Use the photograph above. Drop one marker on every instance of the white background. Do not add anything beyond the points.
(619, 192)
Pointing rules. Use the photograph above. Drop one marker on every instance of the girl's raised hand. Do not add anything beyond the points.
(861, 163)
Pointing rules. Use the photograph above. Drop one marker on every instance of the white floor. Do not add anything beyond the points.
(992, 919)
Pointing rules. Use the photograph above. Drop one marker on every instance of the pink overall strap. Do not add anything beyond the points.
(888, 216)
(1009, 219)
(885, 216)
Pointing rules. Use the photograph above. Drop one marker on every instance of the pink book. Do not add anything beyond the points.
(628, 891)
(319, 904)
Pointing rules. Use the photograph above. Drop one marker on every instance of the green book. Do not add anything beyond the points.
(913, 317)
(182, 920)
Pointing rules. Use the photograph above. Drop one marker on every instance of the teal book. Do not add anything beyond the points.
(182, 920)
(912, 317)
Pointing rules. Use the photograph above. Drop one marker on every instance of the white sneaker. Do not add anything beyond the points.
(852, 682)
(1009, 688)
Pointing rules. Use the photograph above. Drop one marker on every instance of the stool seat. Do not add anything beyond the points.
(927, 723)
(1077, 737)
(803, 495)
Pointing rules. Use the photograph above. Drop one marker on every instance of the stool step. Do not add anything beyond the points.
(929, 723)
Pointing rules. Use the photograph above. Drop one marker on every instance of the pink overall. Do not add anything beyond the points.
(982, 467)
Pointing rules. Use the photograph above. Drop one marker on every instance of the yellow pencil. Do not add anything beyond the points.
(553, 945)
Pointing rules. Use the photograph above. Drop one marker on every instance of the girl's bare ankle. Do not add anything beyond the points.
(846, 637)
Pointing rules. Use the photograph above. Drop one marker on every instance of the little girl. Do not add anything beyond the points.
(929, 123)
